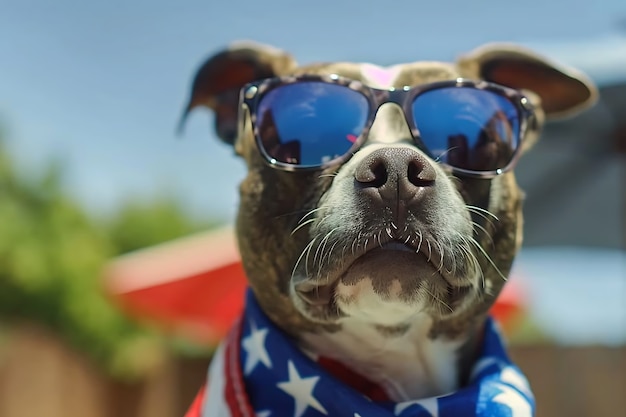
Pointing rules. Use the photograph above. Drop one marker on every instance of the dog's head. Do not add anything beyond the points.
(381, 193)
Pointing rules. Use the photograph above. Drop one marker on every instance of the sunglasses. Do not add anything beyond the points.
(311, 122)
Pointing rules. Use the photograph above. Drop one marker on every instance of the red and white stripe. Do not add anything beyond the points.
(225, 396)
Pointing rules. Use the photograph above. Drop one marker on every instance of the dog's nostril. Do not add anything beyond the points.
(374, 174)
(380, 175)
(419, 173)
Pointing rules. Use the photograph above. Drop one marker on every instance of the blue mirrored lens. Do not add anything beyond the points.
(310, 123)
(468, 128)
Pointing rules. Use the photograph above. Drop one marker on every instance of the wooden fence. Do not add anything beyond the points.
(40, 377)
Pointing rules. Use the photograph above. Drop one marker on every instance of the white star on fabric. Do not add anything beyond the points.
(515, 378)
(254, 345)
(428, 404)
(483, 364)
(264, 413)
(514, 400)
(301, 389)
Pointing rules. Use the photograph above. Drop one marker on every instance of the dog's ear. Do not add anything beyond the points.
(217, 82)
(562, 91)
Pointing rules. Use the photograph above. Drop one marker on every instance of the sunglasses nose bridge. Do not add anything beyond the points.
(397, 96)
(389, 124)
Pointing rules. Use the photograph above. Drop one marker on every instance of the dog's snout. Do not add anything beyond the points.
(395, 172)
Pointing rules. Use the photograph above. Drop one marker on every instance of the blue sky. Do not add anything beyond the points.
(100, 85)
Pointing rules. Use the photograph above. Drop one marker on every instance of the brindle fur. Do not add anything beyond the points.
(273, 202)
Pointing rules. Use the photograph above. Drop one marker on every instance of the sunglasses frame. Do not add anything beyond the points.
(252, 94)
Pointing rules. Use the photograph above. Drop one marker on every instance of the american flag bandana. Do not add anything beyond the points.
(259, 372)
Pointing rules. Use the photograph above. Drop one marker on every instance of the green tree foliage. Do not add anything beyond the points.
(139, 224)
(51, 257)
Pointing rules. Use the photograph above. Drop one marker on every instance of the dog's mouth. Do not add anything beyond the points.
(413, 272)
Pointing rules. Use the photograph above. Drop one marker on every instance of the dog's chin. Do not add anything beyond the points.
(386, 286)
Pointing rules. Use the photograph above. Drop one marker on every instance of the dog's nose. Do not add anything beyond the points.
(395, 173)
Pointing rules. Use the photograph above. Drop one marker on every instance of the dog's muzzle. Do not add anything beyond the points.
(392, 229)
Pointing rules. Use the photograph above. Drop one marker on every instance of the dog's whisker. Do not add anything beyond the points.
(323, 244)
(468, 255)
(441, 253)
(294, 212)
(478, 270)
(321, 247)
(308, 254)
(330, 252)
(471, 258)
(301, 225)
(304, 252)
(477, 210)
(378, 238)
(487, 257)
(354, 241)
(310, 212)
(481, 228)
(358, 240)
(439, 300)
(419, 245)
(343, 251)
(452, 255)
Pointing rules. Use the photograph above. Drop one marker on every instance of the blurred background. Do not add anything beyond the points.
(90, 169)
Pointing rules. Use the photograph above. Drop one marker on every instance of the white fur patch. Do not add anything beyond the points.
(407, 367)
(361, 301)
(380, 77)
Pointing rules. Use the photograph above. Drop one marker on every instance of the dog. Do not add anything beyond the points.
(378, 222)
